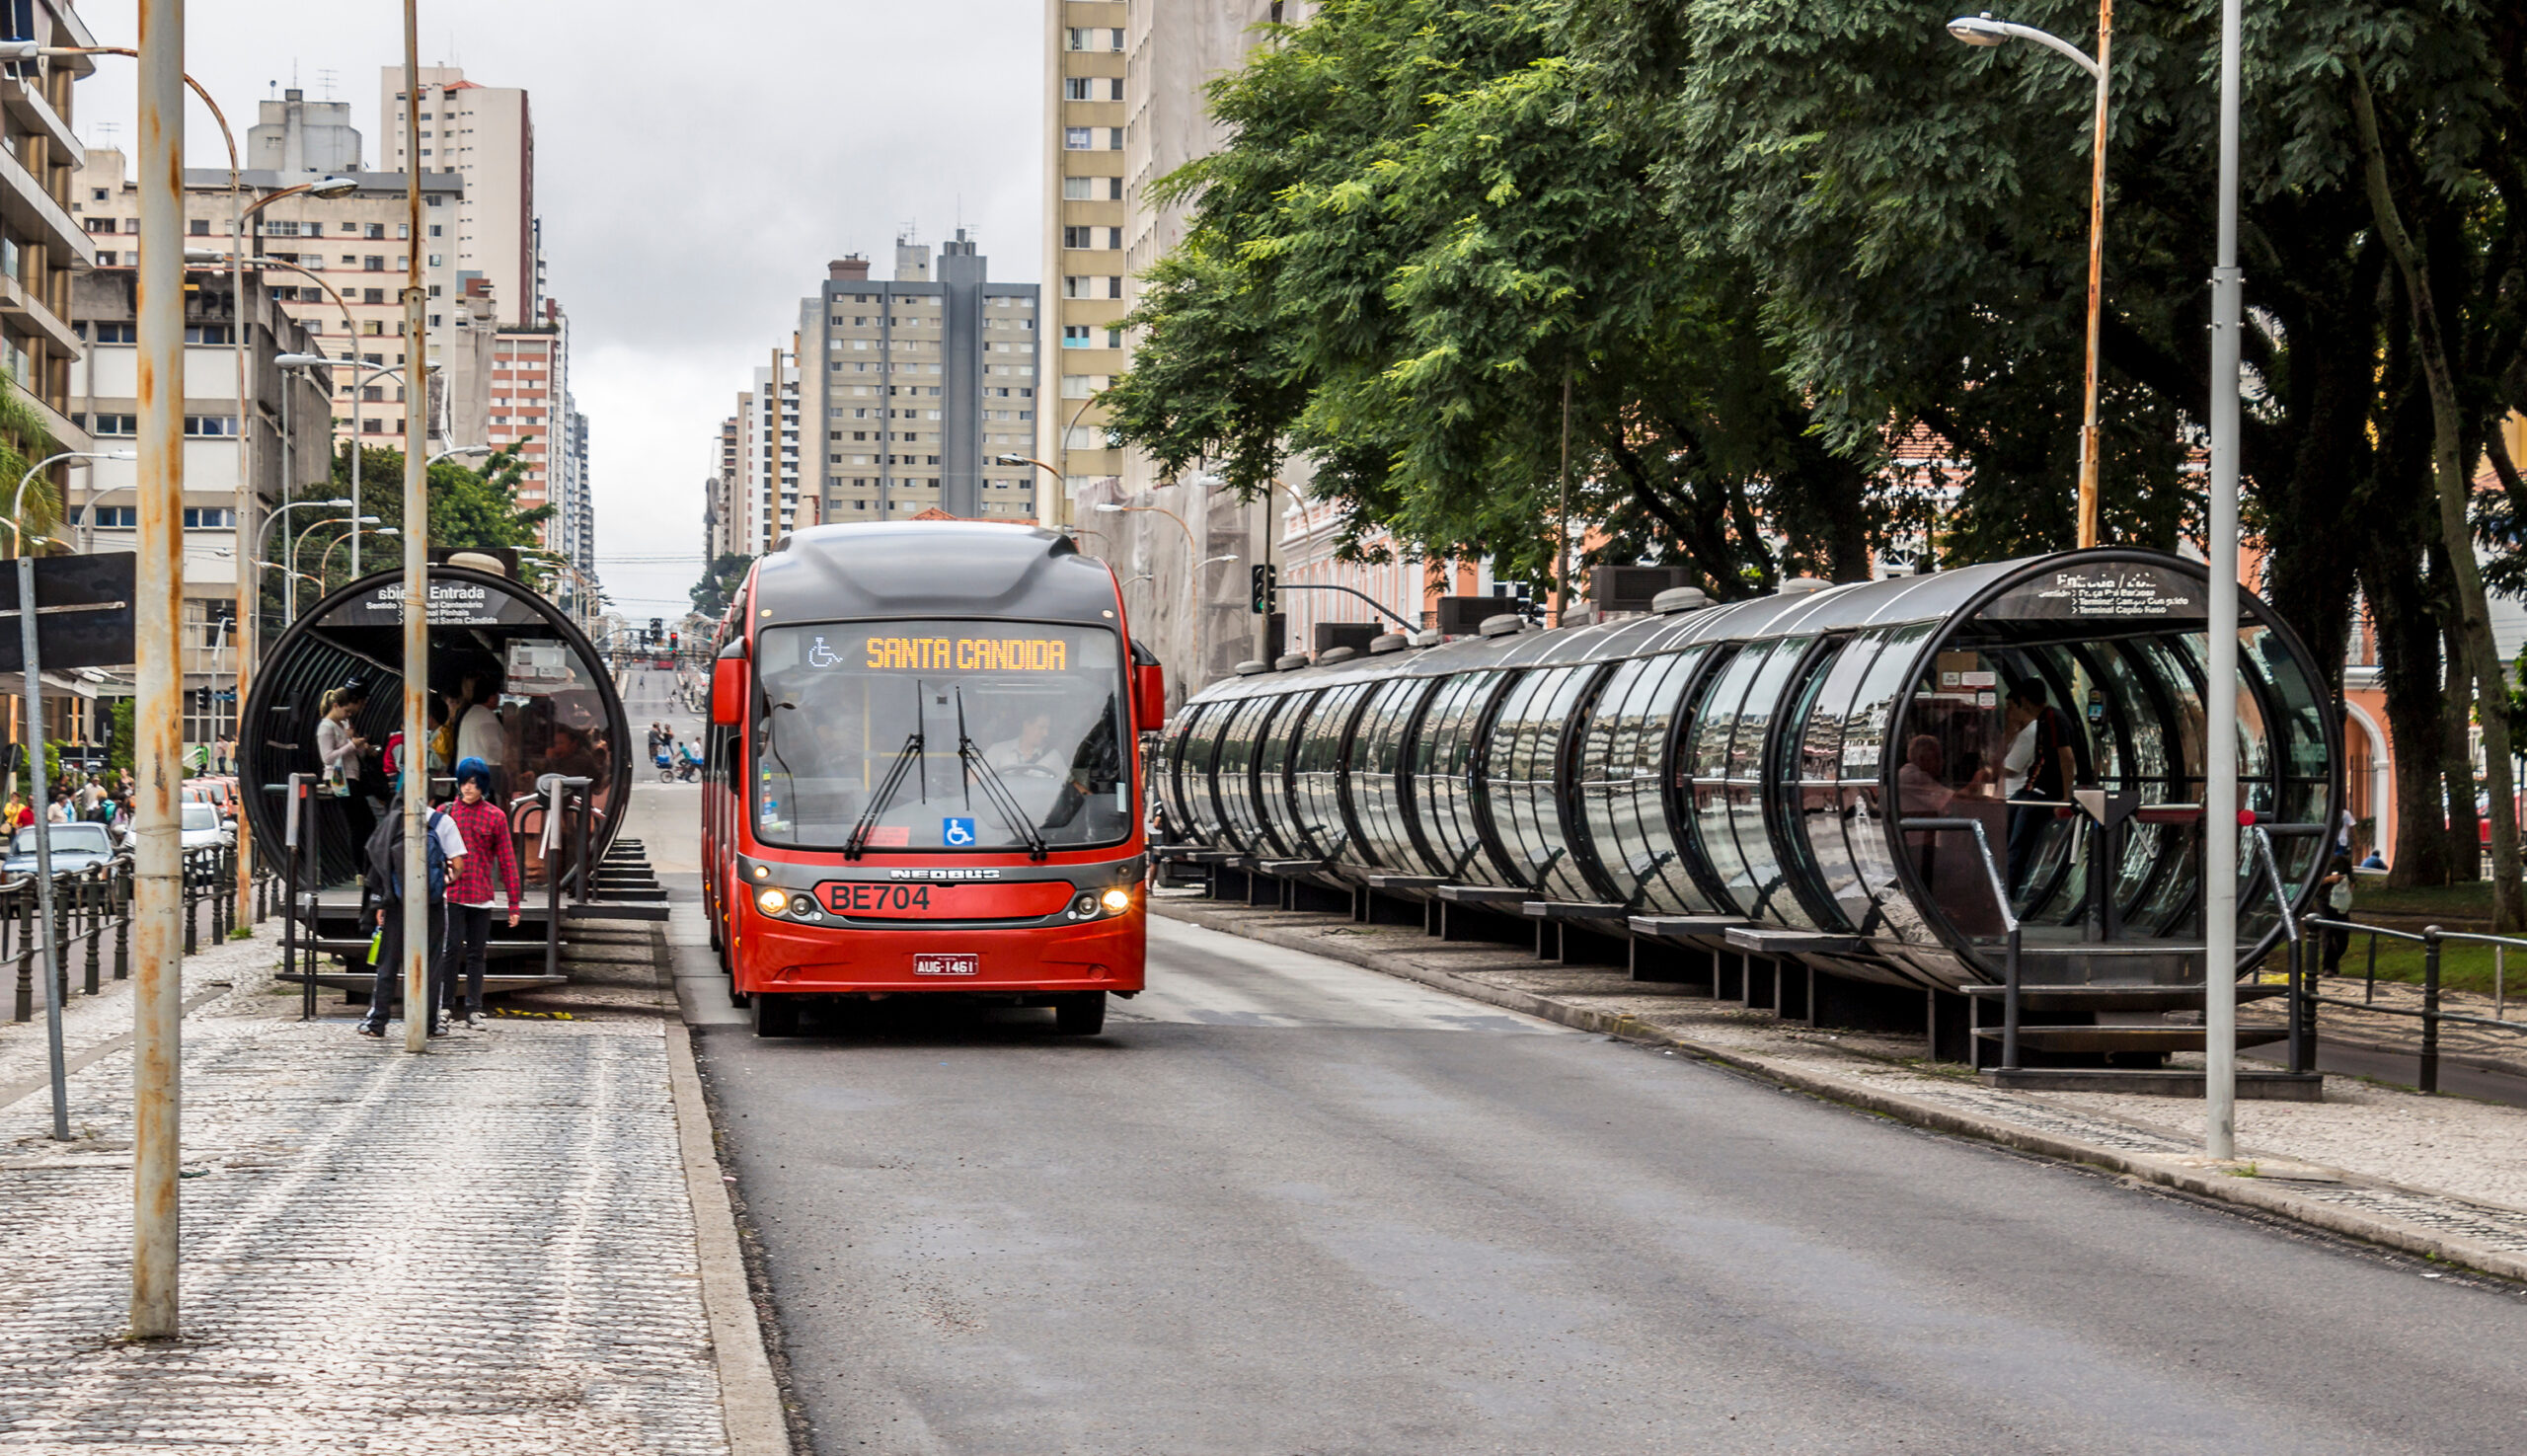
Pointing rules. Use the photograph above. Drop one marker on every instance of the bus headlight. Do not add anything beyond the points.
(804, 907)
(1116, 900)
(772, 900)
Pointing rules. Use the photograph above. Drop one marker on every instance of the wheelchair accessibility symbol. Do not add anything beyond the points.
(958, 832)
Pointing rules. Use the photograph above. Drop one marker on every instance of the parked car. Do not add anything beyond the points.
(219, 793)
(75, 847)
(202, 827)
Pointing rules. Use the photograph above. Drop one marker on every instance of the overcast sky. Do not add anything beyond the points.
(692, 181)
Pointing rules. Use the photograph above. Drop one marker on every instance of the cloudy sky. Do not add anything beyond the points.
(692, 181)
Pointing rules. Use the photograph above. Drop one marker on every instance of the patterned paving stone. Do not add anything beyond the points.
(489, 1248)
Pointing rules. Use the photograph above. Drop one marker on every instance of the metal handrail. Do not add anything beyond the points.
(2431, 937)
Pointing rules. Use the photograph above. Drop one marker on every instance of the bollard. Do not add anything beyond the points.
(2430, 1077)
(187, 878)
(26, 1009)
(120, 887)
(61, 936)
(91, 898)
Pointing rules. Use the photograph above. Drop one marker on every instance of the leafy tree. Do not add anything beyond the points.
(469, 509)
(719, 584)
(25, 439)
(1422, 240)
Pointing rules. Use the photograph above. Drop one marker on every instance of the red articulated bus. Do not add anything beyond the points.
(923, 774)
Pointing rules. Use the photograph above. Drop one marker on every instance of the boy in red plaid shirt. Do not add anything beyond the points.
(469, 898)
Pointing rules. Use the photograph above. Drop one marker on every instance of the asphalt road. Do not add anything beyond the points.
(1284, 1205)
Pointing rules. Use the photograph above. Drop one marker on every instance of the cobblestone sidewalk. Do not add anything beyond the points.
(489, 1249)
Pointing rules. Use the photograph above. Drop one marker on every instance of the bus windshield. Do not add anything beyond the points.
(939, 736)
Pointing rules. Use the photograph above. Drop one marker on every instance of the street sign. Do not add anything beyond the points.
(83, 612)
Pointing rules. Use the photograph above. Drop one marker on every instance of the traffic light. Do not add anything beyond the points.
(676, 642)
(1266, 576)
(657, 628)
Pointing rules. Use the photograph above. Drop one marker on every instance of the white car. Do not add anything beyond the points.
(202, 828)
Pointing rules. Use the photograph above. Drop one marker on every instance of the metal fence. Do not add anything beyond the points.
(92, 919)
(2431, 937)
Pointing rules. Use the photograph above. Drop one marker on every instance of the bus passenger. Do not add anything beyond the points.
(486, 830)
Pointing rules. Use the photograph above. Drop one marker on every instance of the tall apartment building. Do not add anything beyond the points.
(530, 408)
(41, 244)
(725, 512)
(926, 380)
(344, 259)
(1086, 218)
(768, 449)
(100, 508)
(484, 134)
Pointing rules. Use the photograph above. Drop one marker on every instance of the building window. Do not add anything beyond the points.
(208, 333)
(1094, 37)
(107, 224)
(1074, 138)
(115, 333)
(199, 227)
(114, 517)
(210, 424)
(1113, 138)
(207, 518)
(114, 425)
(1084, 437)
(1076, 387)
(372, 264)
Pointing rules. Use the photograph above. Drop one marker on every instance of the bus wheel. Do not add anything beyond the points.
(774, 1016)
(1081, 1014)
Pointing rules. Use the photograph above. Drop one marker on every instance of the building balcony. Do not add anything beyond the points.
(31, 212)
(17, 302)
(37, 115)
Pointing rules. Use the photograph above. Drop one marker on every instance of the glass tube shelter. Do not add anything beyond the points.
(1770, 763)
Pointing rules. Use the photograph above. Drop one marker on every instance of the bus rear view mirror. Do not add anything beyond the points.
(728, 692)
(1149, 695)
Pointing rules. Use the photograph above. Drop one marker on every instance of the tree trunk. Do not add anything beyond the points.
(2408, 673)
(2448, 466)
(2457, 769)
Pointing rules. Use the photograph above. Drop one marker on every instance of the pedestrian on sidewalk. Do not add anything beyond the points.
(485, 831)
(2336, 888)
(382, 894)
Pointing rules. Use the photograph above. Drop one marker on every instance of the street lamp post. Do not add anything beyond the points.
(299, 543)
(18, 503)
(327, 559)
(1983, 30)
(2220, 704)
(282, 515)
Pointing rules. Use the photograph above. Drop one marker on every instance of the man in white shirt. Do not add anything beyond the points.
(479, 734)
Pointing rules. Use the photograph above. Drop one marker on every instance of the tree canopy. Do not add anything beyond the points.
(1815, 278)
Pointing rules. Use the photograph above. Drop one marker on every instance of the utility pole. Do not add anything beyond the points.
(158, 678)
(2220, 698)
(417, 559)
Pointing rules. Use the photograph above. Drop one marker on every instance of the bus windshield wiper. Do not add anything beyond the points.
(1003, 802)
(904, 759)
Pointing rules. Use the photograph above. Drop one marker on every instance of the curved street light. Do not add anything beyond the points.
(1984, 30)
(324, 562)
(18, 503)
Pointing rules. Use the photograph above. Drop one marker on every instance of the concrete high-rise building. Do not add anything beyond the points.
(926, 379)
(1125, 106)
(41, 243)
(1086, 219)
(530, 409)
(348, 255)
(298, 136)
(724, 511)
(768, 450)
(484, 134)
(102, 511)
